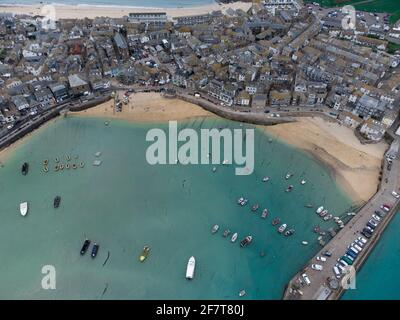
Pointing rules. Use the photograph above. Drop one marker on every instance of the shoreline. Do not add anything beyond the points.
(65, 11)
(354, 167)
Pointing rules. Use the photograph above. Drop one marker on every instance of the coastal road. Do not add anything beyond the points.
(319, 289)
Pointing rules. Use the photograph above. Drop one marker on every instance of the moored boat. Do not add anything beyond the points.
(95, 250)
(303, 182)
(234, 237)
(289, 188)
(246, 241)
(304, 243)
(144, 254)
(191, 265)
(25, 168)
(85, 246)
(309, 205)
(265, 179)
(289, 232)
(275, 221)
(242, 201)
(264, 213)
(255, 207)
(23, 208)
(226, 233)
(323, 213)
(317, 229)
(288, 175)
(282, 228)
(215, 228)
(319, 210)
(56, 202)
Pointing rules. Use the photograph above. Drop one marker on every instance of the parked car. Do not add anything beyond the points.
(323, 259)
(317, 267)
(371, 226)
(365, 234)
(327, 253)
(395, 194)
(362, 239)
(373, 222)
(306, 279)
(375, 217)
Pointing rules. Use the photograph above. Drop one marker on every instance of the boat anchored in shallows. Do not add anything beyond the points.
(145, 253)
(190, 268)
(23, 208)
(246, 241)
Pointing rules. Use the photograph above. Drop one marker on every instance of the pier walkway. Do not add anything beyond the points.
(320, 288)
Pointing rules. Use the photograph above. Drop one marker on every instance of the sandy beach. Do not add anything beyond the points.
(91, 11)
(148, 107)
(355, 166)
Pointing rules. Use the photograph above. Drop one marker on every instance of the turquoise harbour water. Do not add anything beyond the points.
(126, 203)
(127, 3)
(378, 278)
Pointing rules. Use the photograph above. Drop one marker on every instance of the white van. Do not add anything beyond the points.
(336, 271)
(341, 268)
(356, 246)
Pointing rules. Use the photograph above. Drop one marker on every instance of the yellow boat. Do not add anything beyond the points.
(145, 253)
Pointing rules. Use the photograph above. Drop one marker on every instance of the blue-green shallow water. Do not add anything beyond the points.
(378, 277)
(126, 203)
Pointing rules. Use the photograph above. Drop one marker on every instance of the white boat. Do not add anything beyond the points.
(265, 179)
(190, 268)
(303, 181)
(288, 175)
(282, 228)
(23, 208)
(234, 237)
(304, 242)
(319, 210)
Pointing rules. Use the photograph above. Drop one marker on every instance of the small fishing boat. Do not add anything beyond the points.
(303, 182)
(234, 237)
(242, 201)
(246, 241)
(61, 167)
(45, 162)
(275, 221)
(85, 246)
(304, 243)
(288, 175)
(226, 233)
(56, 202)
(45, 169)
(309, 205)
(68, 157)
(319, 210)
(74, 166)
(265, 179)
(56, 167)
(255, 207)
(67, 166)
(242, 293)
(25, 168)
(282, 228)
(215, 228)
(82, 164)
(289, 188)
(289, 232)
(23, 208)
(317, 229)
(144, 254)
(214, 169)
(95, 250)
(264, 213)
(57, 160)
(328, 217)
(191, 265)
(323, 213)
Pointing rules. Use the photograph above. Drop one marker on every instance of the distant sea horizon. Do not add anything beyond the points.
(121, 3)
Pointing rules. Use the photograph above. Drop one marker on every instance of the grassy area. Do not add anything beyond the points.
(392, 47)
(389, 6)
